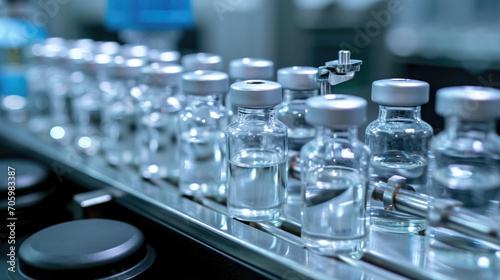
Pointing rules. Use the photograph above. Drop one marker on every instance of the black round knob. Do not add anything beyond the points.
(86, 249)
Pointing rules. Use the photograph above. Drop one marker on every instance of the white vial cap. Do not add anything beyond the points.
(205, 82)
(400, 92)
(251, 69)
(336, 110)
(202, 61)
(256, 94)
(469, 103)
(162, 74)
(298, 78)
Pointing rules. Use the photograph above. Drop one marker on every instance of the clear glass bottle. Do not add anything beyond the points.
(38, 98)
(86, 102)
(466, 168)
(119, 111)
(399, 142)
(202, 61)
(158, 121)
(247, 69)
(257, 146)
(171, 56)
(334, 175)
(65, 74)
(202, 130)
(299, 84)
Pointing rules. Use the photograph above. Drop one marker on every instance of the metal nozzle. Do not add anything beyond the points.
(337, 71)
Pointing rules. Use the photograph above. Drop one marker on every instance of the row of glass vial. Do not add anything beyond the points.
(403, 150)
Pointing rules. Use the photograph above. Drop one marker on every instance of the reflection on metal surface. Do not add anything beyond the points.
(272, 247)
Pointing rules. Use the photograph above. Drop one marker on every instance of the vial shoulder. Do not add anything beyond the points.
(356, 147)
(488, 146)
(401, 130)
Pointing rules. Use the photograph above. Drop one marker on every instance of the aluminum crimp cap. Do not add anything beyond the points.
(205, 82)
(298, 78)
(134, 51)
(93, 63)
(164, 56)
(400, 92)
(127, 68)
(202, 61)
(162, 74)
(336, 110)
(107, 47)
(471, 103)
(251, 69)
(256, 94)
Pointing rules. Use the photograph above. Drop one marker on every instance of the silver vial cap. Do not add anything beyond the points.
(134, 51)
(298, 78)
(336, 110)
(256, 94)
(126, 68)
(85, 43)
(93, 63)
(400, 92)
(251, 69)
(205, 82)
(471, 103)
(106, 47)
(202, 61)
(55, 41)
(162, 74)
(164, 56)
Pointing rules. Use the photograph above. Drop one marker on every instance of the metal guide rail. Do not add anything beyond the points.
(274, 248)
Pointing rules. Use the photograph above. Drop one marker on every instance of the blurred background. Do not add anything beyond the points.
(443, 42)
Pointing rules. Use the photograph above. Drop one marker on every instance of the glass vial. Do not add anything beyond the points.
(299, 84)
(202, 61)
(65, 74)
(466, 168)
(257, 153)
(158, 121)
(119, 113)
(202, 129)
(38, 98)
(399, 142)
(334, 173)
(86, 102)
(247, 69)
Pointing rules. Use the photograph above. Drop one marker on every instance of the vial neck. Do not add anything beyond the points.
(161, 92)
(289, 94)
(210, 100)
(261, 114)
(326, 133)
(457, 127)
(390, 113)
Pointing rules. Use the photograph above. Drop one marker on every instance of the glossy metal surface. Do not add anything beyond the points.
(275, 248)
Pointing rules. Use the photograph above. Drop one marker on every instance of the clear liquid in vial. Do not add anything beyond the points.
(256, 185)
(159, 151)
(414, 168)
(333, 213)
(478, 187)
(203, 171)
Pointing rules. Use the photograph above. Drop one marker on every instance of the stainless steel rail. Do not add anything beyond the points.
(446, 213)
(274, 248)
